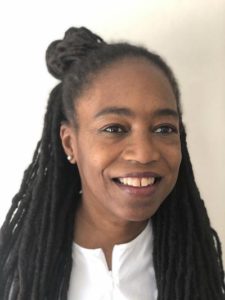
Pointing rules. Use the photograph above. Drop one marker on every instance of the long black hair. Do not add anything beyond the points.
(36, 237)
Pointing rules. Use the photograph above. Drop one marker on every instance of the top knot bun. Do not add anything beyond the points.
(76, 43)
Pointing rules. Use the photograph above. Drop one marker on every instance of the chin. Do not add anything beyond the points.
(139, 216)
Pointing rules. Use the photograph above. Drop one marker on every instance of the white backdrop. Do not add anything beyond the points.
(189, 34)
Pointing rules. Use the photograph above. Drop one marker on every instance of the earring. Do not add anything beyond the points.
(69, 157)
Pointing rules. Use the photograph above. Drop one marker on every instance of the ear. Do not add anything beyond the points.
(69, 141)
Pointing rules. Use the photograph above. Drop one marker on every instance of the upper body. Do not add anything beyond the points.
(112, 156)
(131, 276)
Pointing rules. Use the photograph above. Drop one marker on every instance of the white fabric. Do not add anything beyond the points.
(132, 276)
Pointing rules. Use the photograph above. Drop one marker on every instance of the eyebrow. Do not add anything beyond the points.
(166, 112)
(124, 111)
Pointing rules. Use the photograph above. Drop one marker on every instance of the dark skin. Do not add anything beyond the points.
(106, 238)
(128, 127)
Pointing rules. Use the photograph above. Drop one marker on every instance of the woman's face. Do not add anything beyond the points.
(127, 146)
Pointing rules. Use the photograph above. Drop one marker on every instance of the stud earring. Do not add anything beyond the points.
(69, 157)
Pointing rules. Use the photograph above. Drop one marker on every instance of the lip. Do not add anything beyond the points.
(139, 191)
(140, 175)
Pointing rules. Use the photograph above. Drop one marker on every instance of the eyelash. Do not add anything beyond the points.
(118, 129)
(169, 129)
(115, 129)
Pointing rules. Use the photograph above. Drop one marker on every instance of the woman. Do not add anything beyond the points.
(109, 208)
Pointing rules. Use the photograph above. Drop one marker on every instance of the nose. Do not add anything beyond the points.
(142, 148)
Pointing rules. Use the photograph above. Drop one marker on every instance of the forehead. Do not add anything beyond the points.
(131, 82)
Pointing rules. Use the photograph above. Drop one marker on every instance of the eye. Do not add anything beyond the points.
(115, 128)
(166, 130)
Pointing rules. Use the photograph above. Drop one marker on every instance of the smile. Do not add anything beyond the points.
(136, 181)
(139, 185)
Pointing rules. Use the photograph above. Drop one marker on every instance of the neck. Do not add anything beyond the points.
(93, 232)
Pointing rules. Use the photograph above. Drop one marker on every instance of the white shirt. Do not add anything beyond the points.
(132, 276)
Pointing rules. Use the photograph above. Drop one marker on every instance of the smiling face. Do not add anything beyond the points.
(127, 145)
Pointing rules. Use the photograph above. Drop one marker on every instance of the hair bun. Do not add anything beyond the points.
(76, 43)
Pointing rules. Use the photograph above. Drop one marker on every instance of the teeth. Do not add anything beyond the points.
(137, 182)
(147, 181)
(134, 181)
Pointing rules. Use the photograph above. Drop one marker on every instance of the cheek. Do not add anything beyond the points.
(175, 162)
(93, 159)
(173, 158)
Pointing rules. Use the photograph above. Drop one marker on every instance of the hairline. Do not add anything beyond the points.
(93, 75)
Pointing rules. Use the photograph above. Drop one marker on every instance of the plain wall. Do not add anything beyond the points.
(188, 34)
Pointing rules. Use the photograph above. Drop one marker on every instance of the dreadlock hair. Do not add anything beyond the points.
(36, 237)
